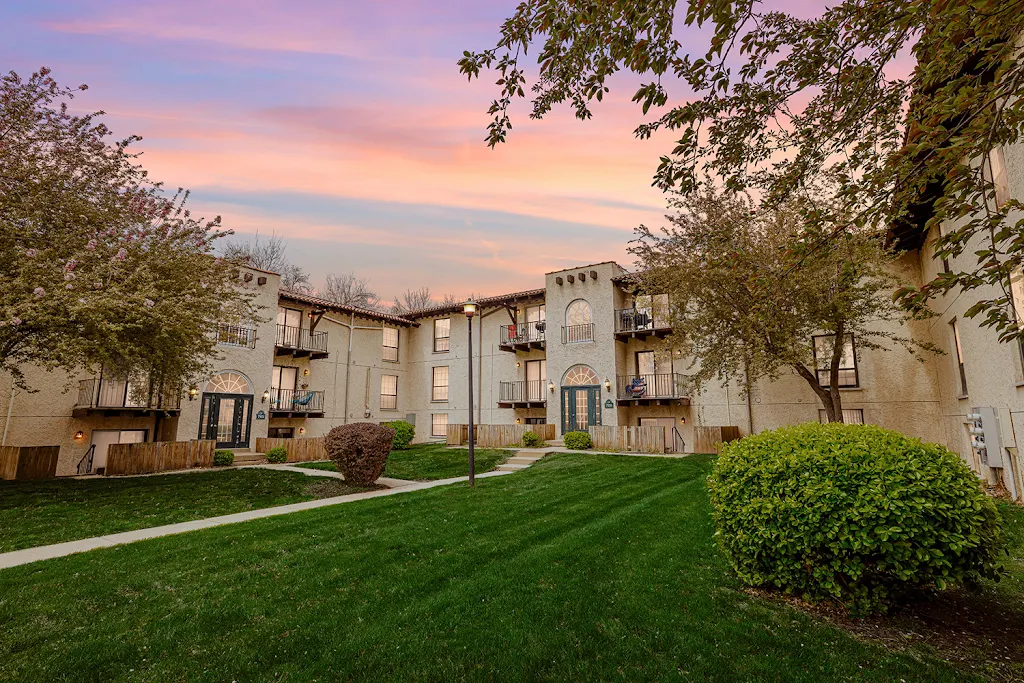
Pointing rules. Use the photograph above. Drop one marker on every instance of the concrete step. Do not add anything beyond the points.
(523, 460)
(511, 467)
(250, 458)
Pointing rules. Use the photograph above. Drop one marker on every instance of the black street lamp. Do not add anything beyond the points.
(469, 308)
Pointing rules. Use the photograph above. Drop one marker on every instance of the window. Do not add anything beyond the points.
(281, 432)
(439, 424)
(850, 417)
(283, 381)
(536, 378)
(439, 383)
(289, 326)
(228, 383)
(390, 344)
(580, 376)
(577, 313)
(442, 335)
(536, 314)
(997, 176)
(578, 323)
(646, 363)
(959, 356)
(536, 420)
(847, 364)
(389, 392)
(1017, 295)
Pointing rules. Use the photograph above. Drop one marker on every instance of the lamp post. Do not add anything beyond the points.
(469, 308)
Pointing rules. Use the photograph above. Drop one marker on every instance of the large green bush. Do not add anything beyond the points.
(277, 454)
(532, 440)
(405, 432)
(851, 513)
(578, 441)
(223, 458)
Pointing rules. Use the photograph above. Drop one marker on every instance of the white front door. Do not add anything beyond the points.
(103, 438)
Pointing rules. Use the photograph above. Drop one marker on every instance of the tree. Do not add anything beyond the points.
(99, 268)
(412, 300)
(749, 294)
(270, 254)
(774, 102)
(349, 290)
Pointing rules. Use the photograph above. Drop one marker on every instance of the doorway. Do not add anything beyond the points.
(103, 438)
(581, 408)
(226, 414)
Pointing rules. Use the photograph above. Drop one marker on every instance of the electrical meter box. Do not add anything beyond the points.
(986, 437)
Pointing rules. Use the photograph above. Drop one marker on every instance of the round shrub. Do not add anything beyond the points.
(359, 451)
(851, 513)
(277, 454)
(223, 458)
(405, 432)
(532, 440)
(578, 441)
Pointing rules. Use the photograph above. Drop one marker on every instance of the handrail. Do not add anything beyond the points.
(296, 401)
(575, 334)
(522, 391)
(87, 460)
(676, 436)
(523, 333)
(640, 320)
(110, 393)
(236, 335)
(655, 385)
(300, 338)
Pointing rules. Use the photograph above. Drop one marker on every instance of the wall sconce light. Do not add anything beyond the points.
(682, 420)
(79, 435)
(305, 372)
(607, 384)
(551, 387)
(519, 421)
(518, 364)
(302, 430)
(192, 393)
(266, 396)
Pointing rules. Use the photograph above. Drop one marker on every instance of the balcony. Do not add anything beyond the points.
(523, 336)
(119, 398)
(299, 342)
(296, 403)
(639, 323)
(658, 389)
(236, 335)
(577, 334)
(522, 394)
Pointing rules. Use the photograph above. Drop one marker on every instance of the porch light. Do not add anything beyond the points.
(266, 396)
(79, 435)
(192, 391)
(302, 430)
(469, 308)
(519, 421)
(551, 386)
(682, 420)
(607, 384)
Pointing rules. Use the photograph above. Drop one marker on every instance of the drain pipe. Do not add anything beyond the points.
(750, 407)
(10, 408)
(480, 375)
(352, 327)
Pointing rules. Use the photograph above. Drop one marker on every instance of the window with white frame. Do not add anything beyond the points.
(439, 383)
(389, 392)
(852, 416)
(439, 424)
(390, 344)
(442, 335)
(848, 377)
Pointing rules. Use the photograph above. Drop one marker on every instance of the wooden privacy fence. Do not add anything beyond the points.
(302, 449)
(628, 439)
(28, 462)
(158, 456)
(497, 436)
(707, 439)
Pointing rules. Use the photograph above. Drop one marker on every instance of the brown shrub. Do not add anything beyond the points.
(359, 451)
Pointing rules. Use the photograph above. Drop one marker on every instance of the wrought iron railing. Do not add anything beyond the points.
(299, 338)
(640, 320)
(523, 333)
(531, 391)
(236, 335)
(109, 393)
(661, 385)
(576, 334)
(296, 401)
(85, 464)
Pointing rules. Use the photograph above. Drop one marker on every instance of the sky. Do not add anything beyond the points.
(346, 128)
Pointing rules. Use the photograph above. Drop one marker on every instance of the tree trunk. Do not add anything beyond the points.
(832, 405)
(833, 371)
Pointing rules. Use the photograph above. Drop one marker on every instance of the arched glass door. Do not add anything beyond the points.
(226, 415)
(581, 399)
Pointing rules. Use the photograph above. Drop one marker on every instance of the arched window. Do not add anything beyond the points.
(229, 383)
(580, 376)
(577, 313)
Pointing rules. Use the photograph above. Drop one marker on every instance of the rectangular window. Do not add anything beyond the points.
(390, 344)
(848, 377)
(442, 335)
(536, 420)
(439, 383)
(854, 416)
(389, 392)
(289, 326)
(281, 432)
(439, 424)
(536, 314)
(536, 379)
(283, 382)
(959, 356)
(646, 363)
(997, 175)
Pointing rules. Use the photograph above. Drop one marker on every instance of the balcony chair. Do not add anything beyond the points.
(304, 400)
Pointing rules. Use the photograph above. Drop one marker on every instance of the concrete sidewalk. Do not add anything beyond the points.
(46, 552)
(310, 472)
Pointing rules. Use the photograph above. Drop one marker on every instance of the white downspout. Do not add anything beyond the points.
(10, 409)
(352, 327)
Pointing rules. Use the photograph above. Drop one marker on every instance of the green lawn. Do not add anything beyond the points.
(584, 567)
(428, 461)
(36, 513)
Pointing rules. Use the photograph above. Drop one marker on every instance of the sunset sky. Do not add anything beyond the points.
(346, 128)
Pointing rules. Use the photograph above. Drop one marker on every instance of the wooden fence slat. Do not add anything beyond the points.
(302, 449)
(708, 439)
(28, 462)
(497, 436)
(628, 439)
(159, 456)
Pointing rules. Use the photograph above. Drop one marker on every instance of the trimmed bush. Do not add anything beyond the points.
(277, 454)
(578, 441)
(532, 440)
(360, 451)
(851, 513)
(223, 458)
(405, 432)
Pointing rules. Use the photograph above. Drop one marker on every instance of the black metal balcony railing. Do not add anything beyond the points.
(523, 333)
(116, 394)
(236, 335)
(575, 334)
(301, 339)
(531, 391)
(296, 401)
(667, 385)
(640, 320)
